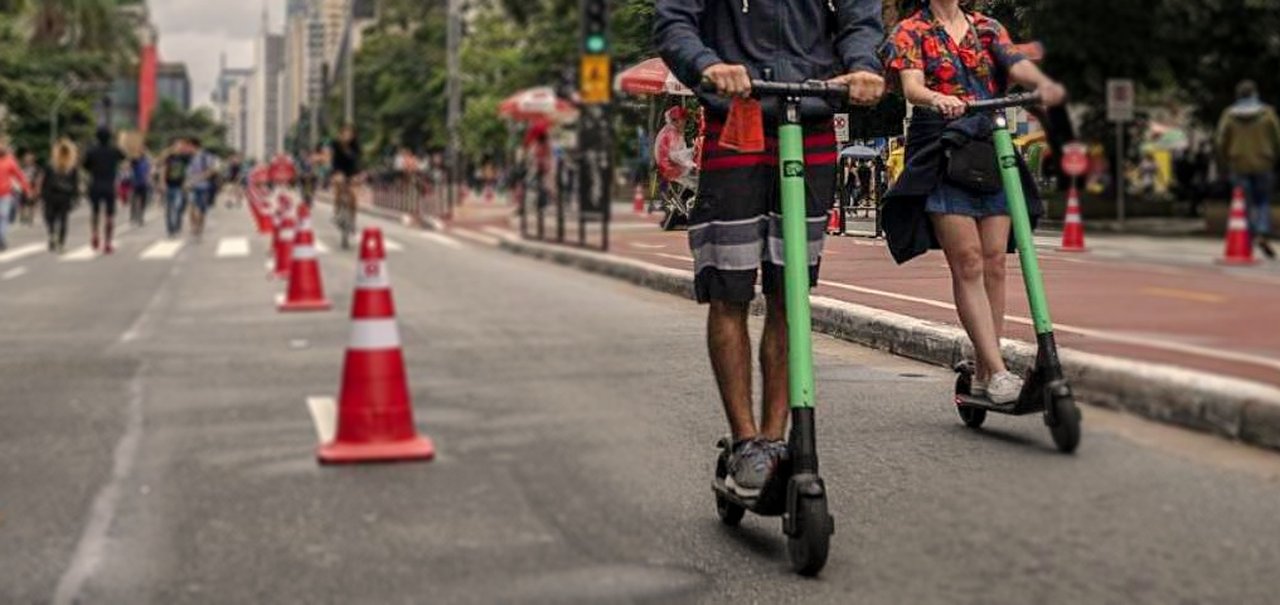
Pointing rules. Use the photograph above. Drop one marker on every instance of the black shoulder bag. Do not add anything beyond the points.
(972, 165)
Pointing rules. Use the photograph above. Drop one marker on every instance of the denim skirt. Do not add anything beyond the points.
(947, 198)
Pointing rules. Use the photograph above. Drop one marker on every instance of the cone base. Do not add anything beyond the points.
(304, 305)
(1238, 261)
(415, 449)
(1079, 249)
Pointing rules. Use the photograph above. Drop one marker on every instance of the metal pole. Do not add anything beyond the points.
(454, 88)
(349, 83)
(1120, 171)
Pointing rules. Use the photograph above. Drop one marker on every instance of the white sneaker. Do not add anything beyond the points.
(1004, 388)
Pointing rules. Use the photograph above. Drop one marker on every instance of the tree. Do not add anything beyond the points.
(169, 122)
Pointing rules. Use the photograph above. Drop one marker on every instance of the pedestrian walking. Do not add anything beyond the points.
(201, 171)
(10, 174)
(140, 177)
(945, 57)
(1249, 143)
(102, 162)
(59, 189)
(31, 168)
(728, 43)
(174, 164)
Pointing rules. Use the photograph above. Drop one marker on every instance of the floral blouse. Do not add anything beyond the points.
(921, 42)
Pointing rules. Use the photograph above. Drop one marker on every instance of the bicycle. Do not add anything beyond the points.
(344, 208)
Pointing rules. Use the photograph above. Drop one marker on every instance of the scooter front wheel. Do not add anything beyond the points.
(1066, 433)
(809, 546)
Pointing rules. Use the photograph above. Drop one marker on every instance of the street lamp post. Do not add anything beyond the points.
(73, 84)
(453, 155)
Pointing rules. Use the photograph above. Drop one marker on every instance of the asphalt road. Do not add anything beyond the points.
(155, 447)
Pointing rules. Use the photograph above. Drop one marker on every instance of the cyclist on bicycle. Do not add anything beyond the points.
(344, 158)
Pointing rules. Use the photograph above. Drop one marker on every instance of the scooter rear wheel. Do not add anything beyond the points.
(730, 513)
(809, 547)
(973, 417)
(1066, 435)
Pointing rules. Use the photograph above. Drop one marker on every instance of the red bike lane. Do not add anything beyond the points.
(1217, 320)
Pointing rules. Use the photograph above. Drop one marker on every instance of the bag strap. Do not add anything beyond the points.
(970, 81)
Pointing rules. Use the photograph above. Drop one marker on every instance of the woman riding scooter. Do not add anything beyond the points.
(950, 194)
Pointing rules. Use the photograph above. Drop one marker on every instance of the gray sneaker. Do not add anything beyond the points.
(750, 465)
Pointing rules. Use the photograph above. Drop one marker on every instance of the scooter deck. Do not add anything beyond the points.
(1024, 406)
(772, 501)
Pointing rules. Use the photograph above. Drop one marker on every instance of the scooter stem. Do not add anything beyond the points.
(1021, 218)
(795, 243)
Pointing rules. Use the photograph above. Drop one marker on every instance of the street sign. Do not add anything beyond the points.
(595, 79)
(1075, 159)
(841, 124)
(1120, 100)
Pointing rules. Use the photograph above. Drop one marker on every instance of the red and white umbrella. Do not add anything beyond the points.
(650, 77)
(537, 103)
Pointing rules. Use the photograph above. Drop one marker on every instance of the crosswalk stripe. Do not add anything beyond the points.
(81, 254)
(321, 248)
(233, 247)
(440, 239)
(162, 250)
(393, 245)
(20, 252)
(14, 273)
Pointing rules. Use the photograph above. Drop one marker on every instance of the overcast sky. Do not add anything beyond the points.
(197, 32)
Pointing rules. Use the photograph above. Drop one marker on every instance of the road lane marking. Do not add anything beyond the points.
(13, 273)
(162, 250)
(687, 259)
(479, 238)
(93, 540)
(441, 239)
(233, 247)
(21, 252)
(324, 416)
(79, 255)
(1191, 295)
(498, 231)
(644, 246)
(321, 248)
(393, 245)
(1108, 336)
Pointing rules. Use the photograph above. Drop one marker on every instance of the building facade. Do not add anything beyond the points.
(173, 84)
(231, 104)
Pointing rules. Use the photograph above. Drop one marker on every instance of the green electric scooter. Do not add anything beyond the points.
(795, 491)
(1045, 389)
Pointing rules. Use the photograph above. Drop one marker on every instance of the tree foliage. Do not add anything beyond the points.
(1189, 51)
(170, 122)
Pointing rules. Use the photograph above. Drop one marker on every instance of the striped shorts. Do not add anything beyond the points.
(735, 228)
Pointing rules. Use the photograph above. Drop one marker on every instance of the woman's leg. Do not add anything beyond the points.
(962, 243)
(60, 216)
(6, 204)
(994, 231)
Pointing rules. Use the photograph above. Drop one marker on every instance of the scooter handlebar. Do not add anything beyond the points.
(768, 88)
(1020, 100)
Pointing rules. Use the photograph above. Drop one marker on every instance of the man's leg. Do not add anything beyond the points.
(729, 346)
(773, 367)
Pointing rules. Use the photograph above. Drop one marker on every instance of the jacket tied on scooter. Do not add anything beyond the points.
(929, 139)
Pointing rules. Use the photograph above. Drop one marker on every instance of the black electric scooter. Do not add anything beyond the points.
(1045, 389)
(795, 491)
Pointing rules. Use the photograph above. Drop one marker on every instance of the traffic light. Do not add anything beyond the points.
(595, 26)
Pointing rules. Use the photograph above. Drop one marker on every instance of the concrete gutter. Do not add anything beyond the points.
(1230, 407)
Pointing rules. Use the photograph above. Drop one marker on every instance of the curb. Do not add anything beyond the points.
(1228, 407)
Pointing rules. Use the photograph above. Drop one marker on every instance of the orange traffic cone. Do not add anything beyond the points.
(1239, 243)
(284, 246)
(375, 418)
(306, 289)
(833, 224)
(259, 214)
(637, 200)
(1073, 225)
